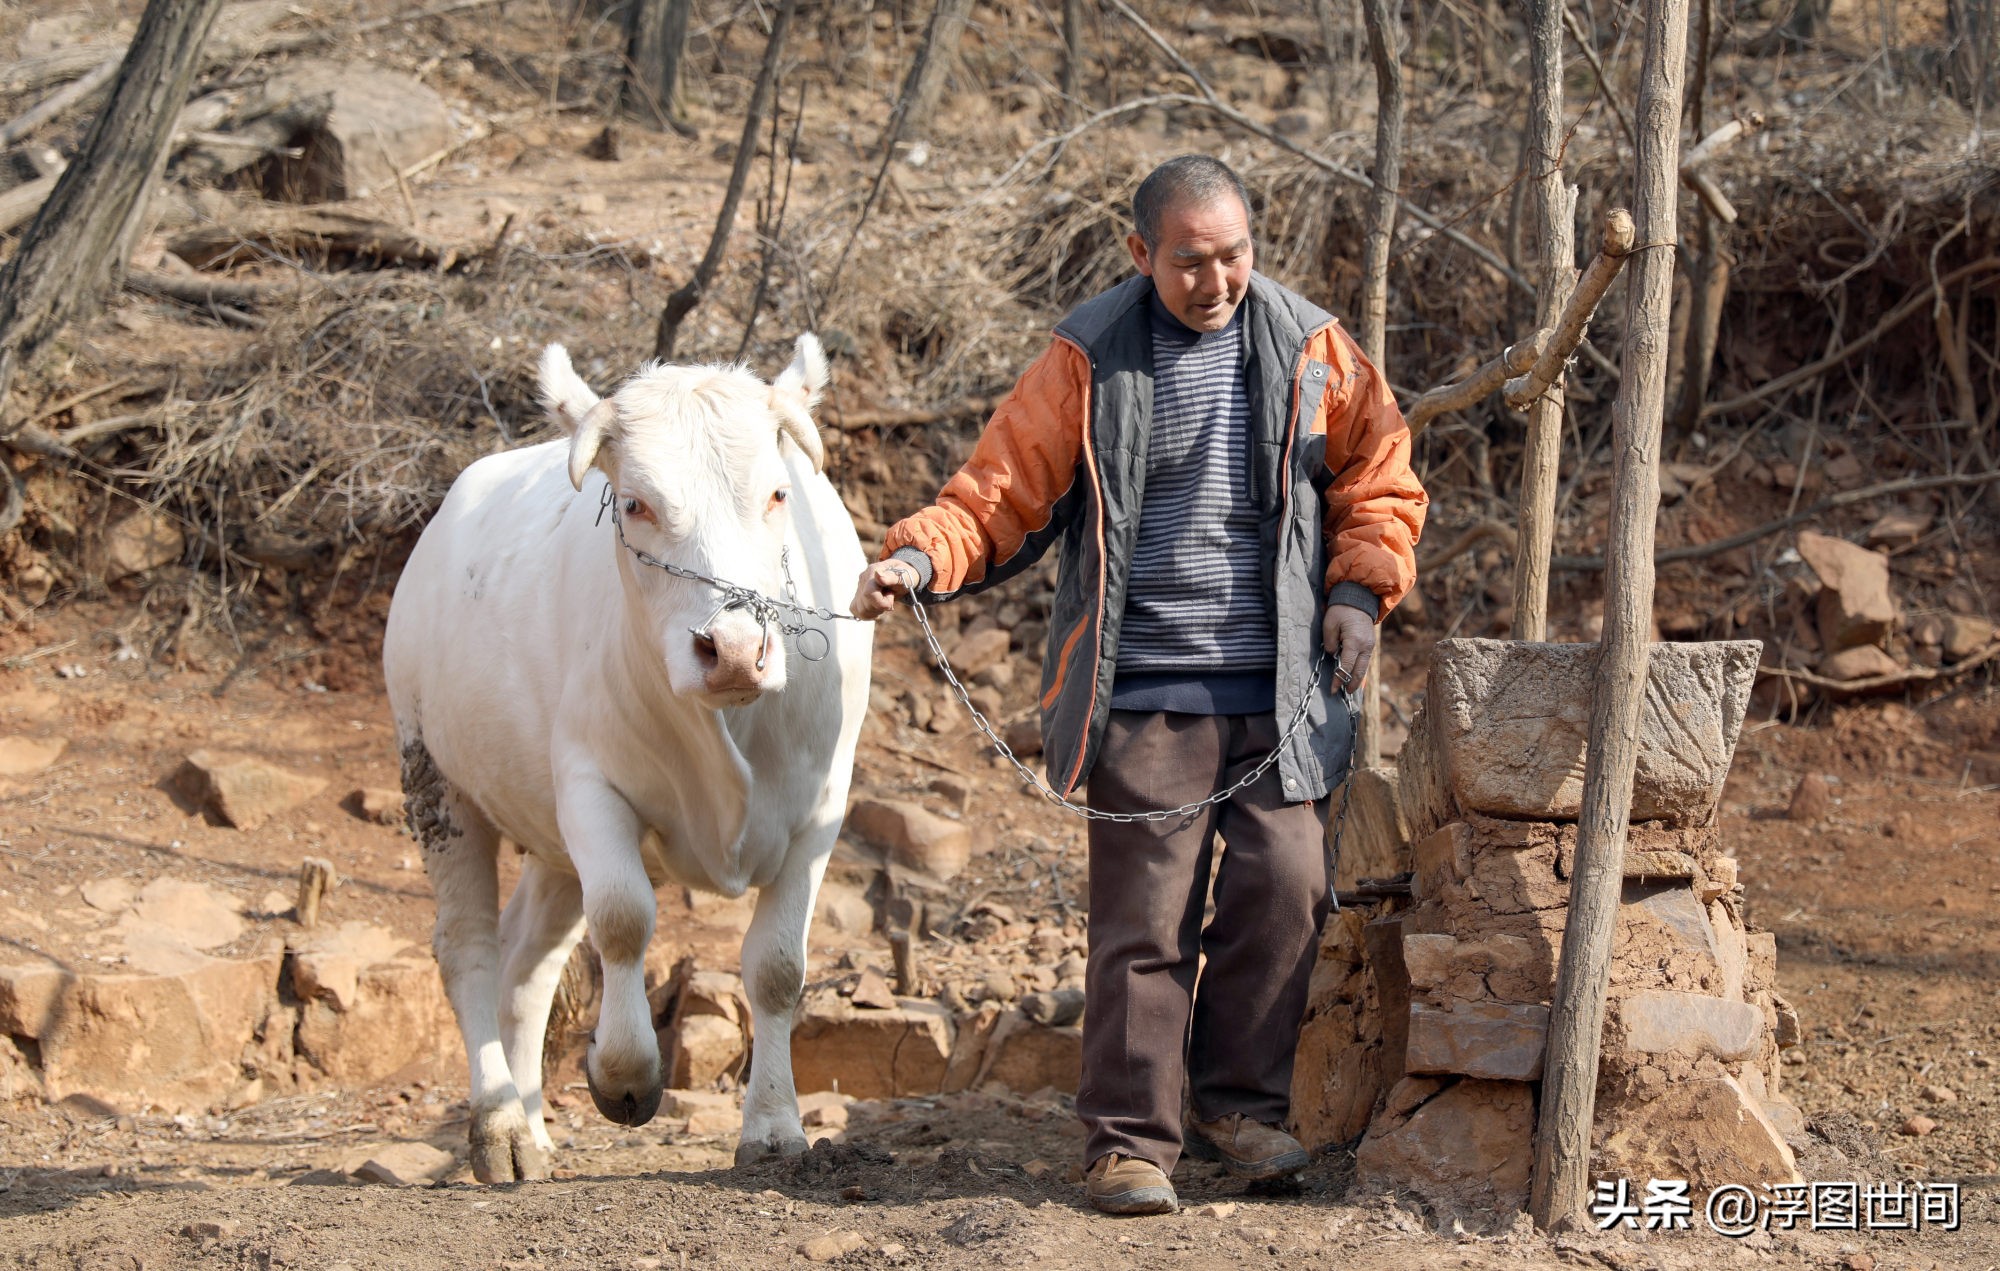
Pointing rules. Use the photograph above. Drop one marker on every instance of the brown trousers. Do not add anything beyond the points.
(1149, 1030)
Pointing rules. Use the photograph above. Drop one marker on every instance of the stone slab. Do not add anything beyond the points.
(1512, 722)
(1491, 1040)
(1661, 1021)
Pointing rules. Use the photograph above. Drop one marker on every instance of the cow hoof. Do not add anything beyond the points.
(504, 1151)
(627, 1107)
(755, 1150)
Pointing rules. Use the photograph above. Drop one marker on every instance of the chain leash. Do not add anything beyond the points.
(769, 612)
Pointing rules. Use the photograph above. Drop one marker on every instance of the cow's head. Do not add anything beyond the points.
(699, 480)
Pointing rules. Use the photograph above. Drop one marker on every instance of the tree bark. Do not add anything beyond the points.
(1383, 31)
(73, 254)
(655, 37)
(1072, 68)
(690, 293)
(1555, 211)
(932, 63)
(1561, 1187)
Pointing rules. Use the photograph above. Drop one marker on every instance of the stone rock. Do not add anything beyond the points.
(832, 1245)
(377, 123)
(1855, 606)
(1859, 663)
(1511, 721)
(140, 543)
(328, 963)
(974, 1028)
(1500, 967)
(974, 652)
(1024, 737)
(1812, 799)
(1665, 1022)
(955, 791)
(914, 838)
(1939, 1094)
(109, 895)
(1899, 526)
(383, 807)
(1025, 1056)
(19, 1079)
(26, 756)
(371, 1004)
(30, 997)
(702, 1048)
(871, 992)
(173, 1034)
(1376, 842)
(243, 792)
(406, 1165)
(870, 1054)
(1650, 911)
(1965, 635)
(843, 908)
(1477, 1039)
(1917, 1127)
(1466, 1149)
(1709, 1131)
(999, 677)
(196, 916)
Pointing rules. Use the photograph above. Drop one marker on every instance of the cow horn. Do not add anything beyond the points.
(591, 432)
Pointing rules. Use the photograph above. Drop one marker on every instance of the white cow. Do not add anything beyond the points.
(554, 688)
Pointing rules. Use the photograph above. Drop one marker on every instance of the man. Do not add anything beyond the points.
(1229, 480)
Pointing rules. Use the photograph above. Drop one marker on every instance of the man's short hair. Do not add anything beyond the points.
(1190, 178)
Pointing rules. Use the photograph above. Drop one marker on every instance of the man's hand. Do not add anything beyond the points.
(880, 584)
(1349, 635)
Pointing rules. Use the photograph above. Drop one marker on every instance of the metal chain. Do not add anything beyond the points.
(1037, 786)
(767, 611)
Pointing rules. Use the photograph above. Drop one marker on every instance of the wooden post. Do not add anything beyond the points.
(1072, 68)
(1555, 208)
(1382, 23)
(73, 253)
(1576, 1020)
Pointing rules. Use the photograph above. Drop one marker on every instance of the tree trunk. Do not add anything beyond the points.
(655, 37)
(1555, 209)
(1704, 320)
(73, 254)
(690, 293)
(1576, 1019)
(1072, 68)
(932, 63)
(1383, 31)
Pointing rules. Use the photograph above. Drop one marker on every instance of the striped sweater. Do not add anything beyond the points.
(1199, 634)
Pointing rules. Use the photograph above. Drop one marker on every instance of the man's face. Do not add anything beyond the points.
(1201, 266)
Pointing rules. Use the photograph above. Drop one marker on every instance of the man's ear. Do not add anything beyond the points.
(1140, 256)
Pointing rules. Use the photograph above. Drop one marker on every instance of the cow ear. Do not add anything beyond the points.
(565, 394)
(806, 376)
(588, 441)
(795, 393)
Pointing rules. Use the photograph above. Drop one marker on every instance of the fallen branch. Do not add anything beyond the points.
(19, 205)
(1920, 298)
(1896, 679)
(57, 102)
(889, 417)
(1700, 550)
(1615, 246)
(204, 291)
(294, 233)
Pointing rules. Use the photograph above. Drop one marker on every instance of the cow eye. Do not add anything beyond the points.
(636, 508)
(778, 497)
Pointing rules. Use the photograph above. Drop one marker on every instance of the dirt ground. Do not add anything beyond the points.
(1886, 914)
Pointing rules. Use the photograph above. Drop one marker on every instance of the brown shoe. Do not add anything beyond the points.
(1247, 1149)
(1126, 1185)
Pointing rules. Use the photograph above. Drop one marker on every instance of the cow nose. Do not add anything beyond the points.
(729, 659)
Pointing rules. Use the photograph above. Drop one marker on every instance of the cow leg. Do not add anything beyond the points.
(461, 852)
(601, 833)
(542, 923)
(774, 973)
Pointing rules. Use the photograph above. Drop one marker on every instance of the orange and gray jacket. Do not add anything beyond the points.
(1064, 458)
